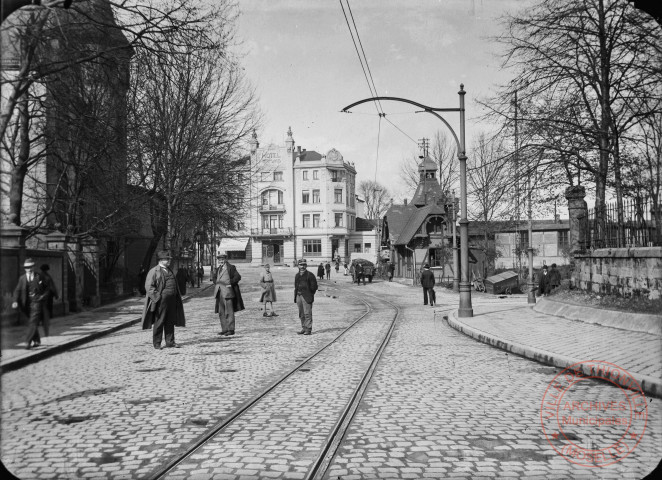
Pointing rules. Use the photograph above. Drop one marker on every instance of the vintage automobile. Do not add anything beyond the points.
(368, 268)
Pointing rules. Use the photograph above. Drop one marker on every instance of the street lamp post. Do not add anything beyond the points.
(456, 258)
(465, 308)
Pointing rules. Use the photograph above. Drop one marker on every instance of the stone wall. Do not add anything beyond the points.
(620, 271)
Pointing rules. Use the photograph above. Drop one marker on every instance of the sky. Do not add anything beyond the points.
(300, 58)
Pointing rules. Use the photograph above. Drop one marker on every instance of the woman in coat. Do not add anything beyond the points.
(320, 271)
(268, 291)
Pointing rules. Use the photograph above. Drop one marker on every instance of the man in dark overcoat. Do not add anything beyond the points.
(30, 299)
(543, 283)
(227, 294)
(305, 287)
(164, 309)
(427, 282)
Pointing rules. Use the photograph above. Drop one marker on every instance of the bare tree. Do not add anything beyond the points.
(377, 198)
(190, 116)
(582, 70)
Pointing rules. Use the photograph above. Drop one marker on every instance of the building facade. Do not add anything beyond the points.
(302, 203)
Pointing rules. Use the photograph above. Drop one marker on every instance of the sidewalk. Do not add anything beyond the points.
(75, 329)
(584, 334)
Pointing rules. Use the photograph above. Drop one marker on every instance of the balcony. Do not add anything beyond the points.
(272, 208)
(271, 232)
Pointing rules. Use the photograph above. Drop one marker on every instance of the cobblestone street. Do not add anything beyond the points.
(441, 404)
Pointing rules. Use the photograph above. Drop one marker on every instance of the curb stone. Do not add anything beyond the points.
(650, 386)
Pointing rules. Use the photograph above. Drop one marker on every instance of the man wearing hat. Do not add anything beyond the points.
(164, 309)
(305, 287)
(427, 282)
(227, 294)
(544, 282)
(29, 298)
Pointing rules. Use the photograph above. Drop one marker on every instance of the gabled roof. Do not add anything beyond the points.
(426, 190)
(415, 221)
(309, 156)
(366, 224)
(397, 217)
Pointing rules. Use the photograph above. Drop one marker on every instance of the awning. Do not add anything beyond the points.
(233, 244)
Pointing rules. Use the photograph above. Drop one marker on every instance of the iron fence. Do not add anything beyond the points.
(639, 225)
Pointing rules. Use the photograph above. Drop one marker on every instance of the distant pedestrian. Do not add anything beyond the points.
(29, 298)
(320, 271)
(268, 291)
(391, 271)
(543, 282)
(227, 294)
(358, 273)
(142, 275)
(201, 274)
(327, 267)
(182, 279)
(554, 278)
(51, 294)
(163, 309)
(305, 287)
(427, 282)
(346, 269)
(337, 265)
(191, 275)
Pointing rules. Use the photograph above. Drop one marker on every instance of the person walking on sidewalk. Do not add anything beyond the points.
(543, 283)
(327, 267)
(305, 287)
(29, 298)
(227, 294)
(201, 274)
(51, 293)
(337, 265)
(268, 291)
(391, 271)
(164, 309)
(427, 282)
(554, 278)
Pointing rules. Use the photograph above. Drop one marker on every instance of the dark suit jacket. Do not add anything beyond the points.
(307, 284)
(235, 278)
(154, 284)
(37, 287)
(427, 279)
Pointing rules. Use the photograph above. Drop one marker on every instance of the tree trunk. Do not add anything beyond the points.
(20, 169)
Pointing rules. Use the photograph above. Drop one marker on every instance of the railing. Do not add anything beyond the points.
(279, 207)
(641, 225)
(271, 231)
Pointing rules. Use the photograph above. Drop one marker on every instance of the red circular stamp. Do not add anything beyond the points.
(590, 423)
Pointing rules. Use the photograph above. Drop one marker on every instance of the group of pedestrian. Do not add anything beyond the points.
(549, 280)
(163, 310)
(33, 297)
(324, 269)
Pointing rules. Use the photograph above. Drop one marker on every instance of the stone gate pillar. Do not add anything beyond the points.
(578, 212)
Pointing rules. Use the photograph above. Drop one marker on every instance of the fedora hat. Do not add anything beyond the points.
(164, 255)
(221, 255)
(28, 262)
(303, 262)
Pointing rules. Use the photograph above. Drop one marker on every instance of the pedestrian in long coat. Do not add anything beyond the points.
(227, 294)
(320, 271)
(182, 279)
(164, 309)
(305, 287)
(51, 293)
(427, 282)
(554, 278)
(391, 271)
(29, 298)
(327, 267)
(543, 282)
(268, 291)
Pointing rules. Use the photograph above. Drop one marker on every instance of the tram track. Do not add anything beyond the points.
(326, 450)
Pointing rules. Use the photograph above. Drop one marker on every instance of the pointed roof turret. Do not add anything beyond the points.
(428, 190)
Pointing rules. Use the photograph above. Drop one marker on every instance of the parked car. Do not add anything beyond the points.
(368, 268)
